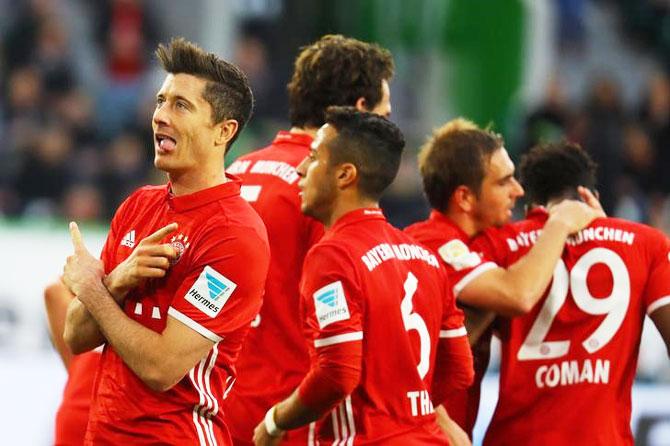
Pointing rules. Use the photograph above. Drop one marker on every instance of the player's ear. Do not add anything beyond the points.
(347, 175)
(464, 198)
(361, 105)
(225, 131)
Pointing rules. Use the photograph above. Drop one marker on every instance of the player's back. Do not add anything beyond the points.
(396, 300)
(274, 358)
(568, 365)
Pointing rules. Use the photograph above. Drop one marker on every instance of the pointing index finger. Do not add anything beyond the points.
(161, 233)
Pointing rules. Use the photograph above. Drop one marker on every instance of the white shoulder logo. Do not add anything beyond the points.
(457, 254)
(129, 239)
(330, 304)
(210, 292)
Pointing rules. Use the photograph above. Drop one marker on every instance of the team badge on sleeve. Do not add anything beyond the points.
(210, 292)
(458, 255)
(330, 304)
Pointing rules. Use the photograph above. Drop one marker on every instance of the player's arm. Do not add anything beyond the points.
(457, 436)
(56, 300)
(515, 290)
(149, 260)
(661, 318)
(335, 375)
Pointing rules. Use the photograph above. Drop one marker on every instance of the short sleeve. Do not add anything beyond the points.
(453, 319)
(223, 287)
(463, 263)
(331, 299)
(657, 291)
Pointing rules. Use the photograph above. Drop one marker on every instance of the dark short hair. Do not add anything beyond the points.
(227, 89)
(336, 70)
(370, 142)
(554, 170)
(456, 154)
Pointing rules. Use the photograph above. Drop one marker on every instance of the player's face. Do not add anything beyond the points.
(383, 107)
(498, 193)
(317, 177)
(184, 134)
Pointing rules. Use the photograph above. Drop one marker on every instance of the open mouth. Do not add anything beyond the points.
(165, 143)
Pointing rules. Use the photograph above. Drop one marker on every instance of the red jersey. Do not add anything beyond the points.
(274, 358)
(568, 366)
(368, 282)
(449, 241)
(72, 415)
(215, 287)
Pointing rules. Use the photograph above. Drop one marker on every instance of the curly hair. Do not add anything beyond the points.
(369, 141)
(227, 89)
(336, 70)
(550, 171)
(455, 154)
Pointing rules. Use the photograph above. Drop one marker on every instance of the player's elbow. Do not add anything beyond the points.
(518, 301)
(159, 379)
(343, 380)
(74, 342)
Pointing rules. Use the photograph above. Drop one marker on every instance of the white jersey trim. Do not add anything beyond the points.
(472, 275)
(208, 405)
(453, 333)
(663, 301)
(338, 339)
(181, 317)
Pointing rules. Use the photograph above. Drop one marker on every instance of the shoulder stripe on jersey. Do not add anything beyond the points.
(658, 304)
(181, 317)
(469, 277)
(453, 333)
(200, 429)
(312, 434)
(350, 418)
(338, 339)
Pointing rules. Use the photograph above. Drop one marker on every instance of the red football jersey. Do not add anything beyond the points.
(368, 282)
(215, 287)
(72, 415)
(274, 358)
(450, 242)
(568, 366)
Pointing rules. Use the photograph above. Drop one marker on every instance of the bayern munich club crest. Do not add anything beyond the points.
(180, 243)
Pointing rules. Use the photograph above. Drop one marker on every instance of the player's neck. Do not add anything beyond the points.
(311, 131)
(185, 183)
(343, 207)
(464, 222)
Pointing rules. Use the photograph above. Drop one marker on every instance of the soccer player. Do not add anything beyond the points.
(72, 415)
(376, 308)
(334, 70)
(469, 181)
(182, 271)
(568, 365)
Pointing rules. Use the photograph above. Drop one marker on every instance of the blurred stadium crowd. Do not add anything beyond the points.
(77, 97)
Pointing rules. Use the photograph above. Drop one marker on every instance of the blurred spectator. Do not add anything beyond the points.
(43, 175)
(125, 171)
(603, 139)
(548, 122)
(127, 35)
(637, 180)
(83, 203)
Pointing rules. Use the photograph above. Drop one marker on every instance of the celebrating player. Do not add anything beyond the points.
(376, 306)
(182, 271)
(469, 181)
(335, 70)
(568, 365)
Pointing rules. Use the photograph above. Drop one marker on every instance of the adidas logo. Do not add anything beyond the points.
(129, 239)
(328, 297)
(215, 286)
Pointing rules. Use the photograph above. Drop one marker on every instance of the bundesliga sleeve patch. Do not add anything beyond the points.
(210, 292)
(330, 304)
(458, 255)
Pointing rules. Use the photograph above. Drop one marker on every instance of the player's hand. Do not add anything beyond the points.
(575, 215)
(262, 438)
(81, 268)
(149, 260)
(589, 198)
